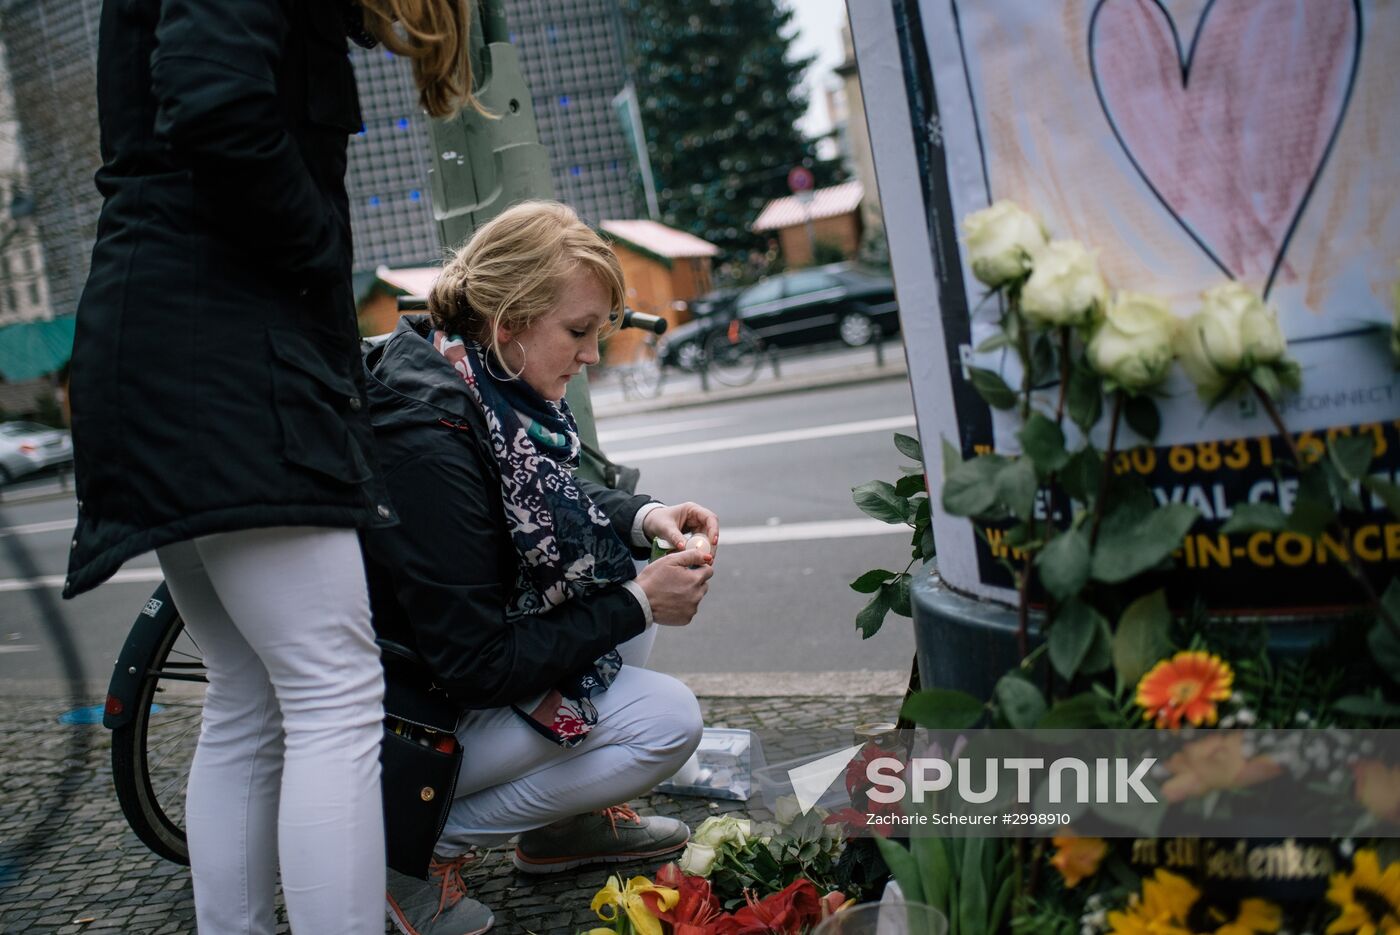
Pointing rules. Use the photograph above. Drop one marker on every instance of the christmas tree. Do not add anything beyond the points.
(719, 98)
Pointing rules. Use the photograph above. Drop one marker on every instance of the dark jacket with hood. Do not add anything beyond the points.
(216, 380)
(441, 579)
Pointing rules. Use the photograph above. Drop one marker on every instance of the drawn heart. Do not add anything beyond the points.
(1232, 134)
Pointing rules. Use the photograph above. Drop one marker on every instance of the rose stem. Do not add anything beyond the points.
(1107, 466)
(1335, 526)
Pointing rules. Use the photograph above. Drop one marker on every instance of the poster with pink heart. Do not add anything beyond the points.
(1189, 143)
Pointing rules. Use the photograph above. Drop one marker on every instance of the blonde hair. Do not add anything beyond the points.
(510, 273)
(436, 36)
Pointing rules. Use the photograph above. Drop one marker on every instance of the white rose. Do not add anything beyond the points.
(1000, 240)
(1132, 346)
(1234, 332)
(1065, 288)
(698, 860)
(787, 810)
(723, 829)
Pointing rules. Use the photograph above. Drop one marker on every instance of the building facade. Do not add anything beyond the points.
(571, 53)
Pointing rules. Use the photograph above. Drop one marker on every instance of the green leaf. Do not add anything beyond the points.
(970, 489)
(992, 388)
(952, 457)
(1267, 380)
(935, 870)
(1071, 635)
(1339, 488)
(904, 868)
(872, 615)
(1042, 440)
(1083, 710)
(924, 544)
(909, 446)
(909, 485)
(972, 902)
(1016, 485)
(897, 593)
(878, 498)
(1351, 454)
(1125, 551)
(920, 511)
(1363, 706)
(1085, 398)
(1020, 702)
(1313, 509)
(1064, 564)
(1100, 654)
(1254, 517)
(1381, 640)
(942, 709)
(1140, 412)
(995, 343)
(1142, 637)
(1045, 360)
(870, 582)
(1386, 492)
(1080, 476)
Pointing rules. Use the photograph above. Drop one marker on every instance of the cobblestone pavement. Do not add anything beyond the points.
(88, 873)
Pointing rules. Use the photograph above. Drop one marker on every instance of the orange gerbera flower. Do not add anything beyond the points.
(1077, 858)
(1185, 686)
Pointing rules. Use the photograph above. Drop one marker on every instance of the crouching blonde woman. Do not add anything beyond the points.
(514, 579)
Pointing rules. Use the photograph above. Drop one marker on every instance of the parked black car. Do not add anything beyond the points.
(840, 302)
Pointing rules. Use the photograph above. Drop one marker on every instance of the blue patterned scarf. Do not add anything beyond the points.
(566, 545)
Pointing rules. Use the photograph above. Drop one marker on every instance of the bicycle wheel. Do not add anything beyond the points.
(151, 753)
(732, 355)
(645, 375)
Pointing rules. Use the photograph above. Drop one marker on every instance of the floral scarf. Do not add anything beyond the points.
(566, 546)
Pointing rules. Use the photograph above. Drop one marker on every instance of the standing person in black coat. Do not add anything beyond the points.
(218, 418)
(513, 579)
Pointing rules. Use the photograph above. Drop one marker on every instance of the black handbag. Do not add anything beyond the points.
(420, 759)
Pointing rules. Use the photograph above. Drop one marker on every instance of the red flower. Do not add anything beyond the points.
(696, 910)
(790, 911)
(856, 822)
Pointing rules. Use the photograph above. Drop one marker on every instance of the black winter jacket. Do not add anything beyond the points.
(216, 377)
(440, 580)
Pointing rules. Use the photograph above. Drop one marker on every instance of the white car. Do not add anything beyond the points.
(26, 447)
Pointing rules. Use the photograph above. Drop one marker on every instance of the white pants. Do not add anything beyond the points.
(513, 779)
(288, 759)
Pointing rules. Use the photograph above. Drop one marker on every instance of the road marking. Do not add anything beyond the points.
(664, 428)
(128, 576)
(820, 529)
(767, 438)
(20, 648)
(30, 529)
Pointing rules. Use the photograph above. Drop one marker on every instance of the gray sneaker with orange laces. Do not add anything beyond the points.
(438, 905)
(611, 836)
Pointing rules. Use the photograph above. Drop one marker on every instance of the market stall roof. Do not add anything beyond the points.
(665, 243)
(410, 280)
(32, 349)
(826, 203)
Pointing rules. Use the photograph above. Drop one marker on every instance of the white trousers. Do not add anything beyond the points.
(288, 759)
(513, 779)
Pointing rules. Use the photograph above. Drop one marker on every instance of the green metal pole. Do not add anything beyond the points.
(480, 166)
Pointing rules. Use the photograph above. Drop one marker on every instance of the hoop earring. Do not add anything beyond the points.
(486, 362)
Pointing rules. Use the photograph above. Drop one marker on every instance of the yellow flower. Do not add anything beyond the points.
(630, 899)
(1369, 899)
(1170, 905)
(1077, 858)
(1186, 686)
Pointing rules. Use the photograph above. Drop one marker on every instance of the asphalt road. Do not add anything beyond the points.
(778, 471)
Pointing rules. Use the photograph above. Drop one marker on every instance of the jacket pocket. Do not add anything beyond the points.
(311, 400)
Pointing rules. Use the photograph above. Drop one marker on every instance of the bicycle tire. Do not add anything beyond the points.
(154, 806)
(646, 375)
(733, 356)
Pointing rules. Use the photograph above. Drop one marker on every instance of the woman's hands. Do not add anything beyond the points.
(673, 523)
(675, 583)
